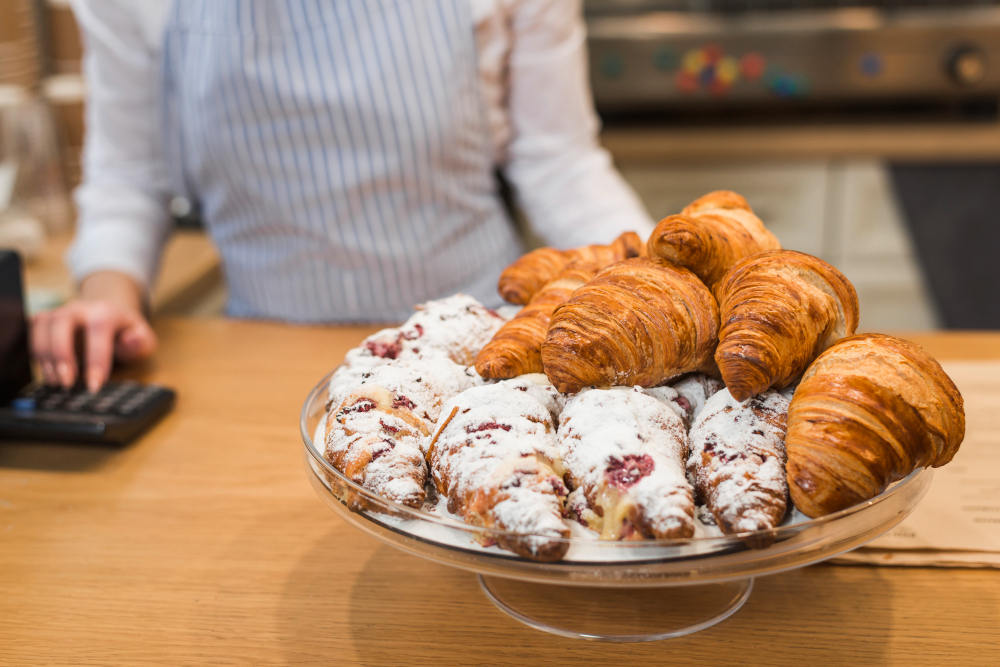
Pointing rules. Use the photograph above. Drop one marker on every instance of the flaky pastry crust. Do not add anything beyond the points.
(779, 310)
(710, 235)
(869, 411)
(639, 322)
(516, 349)
(525, 277)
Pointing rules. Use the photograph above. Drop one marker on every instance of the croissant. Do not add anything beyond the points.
(625, 450)
(456, 327)
(639, 322)
(710, 235)
(376, 429)
(869, 411)
(516, 349)
(525, 277)
(493, 456)
(378, 445)
(737, 462)
(779, 309)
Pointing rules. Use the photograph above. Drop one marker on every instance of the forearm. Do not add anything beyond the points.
(564, 180)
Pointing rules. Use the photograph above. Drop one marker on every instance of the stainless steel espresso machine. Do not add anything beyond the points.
(659, 54)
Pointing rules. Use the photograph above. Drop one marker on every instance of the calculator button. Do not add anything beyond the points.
(23, 404)
(52, 402)
(77, 403)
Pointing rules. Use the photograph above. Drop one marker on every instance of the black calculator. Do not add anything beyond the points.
(116, 414)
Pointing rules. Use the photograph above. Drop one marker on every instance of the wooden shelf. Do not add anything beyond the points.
(900, 142)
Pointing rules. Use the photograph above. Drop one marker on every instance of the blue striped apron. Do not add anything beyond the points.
(340, 153)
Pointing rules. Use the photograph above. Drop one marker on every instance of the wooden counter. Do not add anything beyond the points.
(203, 543)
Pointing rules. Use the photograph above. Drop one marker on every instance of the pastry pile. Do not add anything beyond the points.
(707, 373)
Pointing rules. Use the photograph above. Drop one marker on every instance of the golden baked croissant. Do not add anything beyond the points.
(516, 349)
(710, 235)
(869, 411)
(779, 309)
(639, 322)
(522, 279)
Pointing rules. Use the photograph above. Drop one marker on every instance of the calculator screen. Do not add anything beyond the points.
(15, 367)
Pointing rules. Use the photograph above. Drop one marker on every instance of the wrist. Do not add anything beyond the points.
(114, 287)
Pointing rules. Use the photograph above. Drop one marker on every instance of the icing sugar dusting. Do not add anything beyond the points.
(494, 456)
(457, 327)
(420, 385)
(695, 390)
(738, 460)
(625, 448)
(377, 445)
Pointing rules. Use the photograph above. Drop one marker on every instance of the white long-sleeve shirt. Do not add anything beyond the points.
(533, 82)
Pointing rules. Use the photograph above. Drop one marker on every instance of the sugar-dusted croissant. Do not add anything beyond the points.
(737, 462)
(376, 442)
(456, 327)
(710, 235)
(625, 450)
(376, 429)
(494, 457)
(779, 310)
(869, 411)
(525, 277)
(639, 322)
(517, 348)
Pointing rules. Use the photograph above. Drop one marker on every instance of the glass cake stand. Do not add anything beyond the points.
(607, 591)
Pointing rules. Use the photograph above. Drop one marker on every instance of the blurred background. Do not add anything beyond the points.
(865, 132)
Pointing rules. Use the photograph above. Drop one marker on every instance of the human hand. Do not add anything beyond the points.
(110, 317)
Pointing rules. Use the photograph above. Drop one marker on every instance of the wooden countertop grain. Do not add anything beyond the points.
(203, 543)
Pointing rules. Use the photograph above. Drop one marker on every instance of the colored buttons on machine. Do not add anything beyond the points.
(707, 67)
(666, 59)
(967, 65)
(611, 65)
(871, 64)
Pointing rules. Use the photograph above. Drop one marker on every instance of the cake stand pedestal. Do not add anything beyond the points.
(624, 615)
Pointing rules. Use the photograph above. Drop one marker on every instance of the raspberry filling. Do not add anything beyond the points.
(629, 470)
(684, 403)
(383, 450)
(486, 426)
(722, 456)
(392, 350)
(403, 402)
(384, 350)
(412, 336)
(361, 405)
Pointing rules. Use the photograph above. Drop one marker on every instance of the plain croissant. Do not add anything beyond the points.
(525, 277)
(710, 235)
(639, 322)
(516, 349)
(779, 310)
(869, 411)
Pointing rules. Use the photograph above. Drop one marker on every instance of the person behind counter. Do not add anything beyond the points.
(343, 155)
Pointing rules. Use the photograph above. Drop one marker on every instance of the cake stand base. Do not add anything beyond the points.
(623, 615)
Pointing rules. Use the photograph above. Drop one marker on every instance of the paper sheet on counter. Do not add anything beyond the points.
(957, 524)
